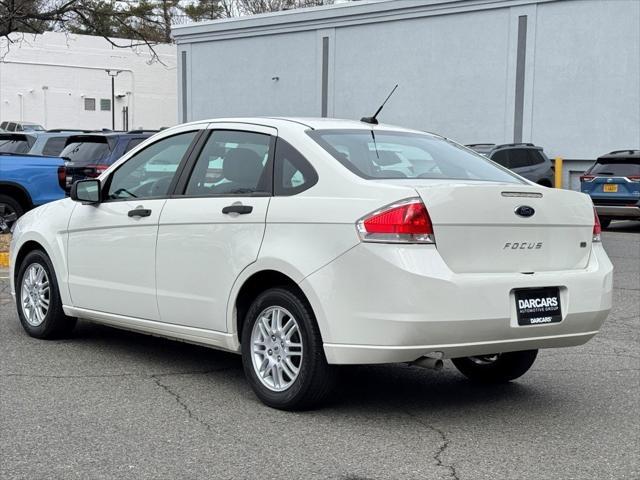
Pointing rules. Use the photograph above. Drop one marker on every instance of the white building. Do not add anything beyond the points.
(564, 74)
(60, 81)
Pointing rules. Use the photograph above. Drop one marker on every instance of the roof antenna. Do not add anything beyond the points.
(373, 120)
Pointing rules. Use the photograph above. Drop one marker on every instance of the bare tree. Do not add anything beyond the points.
(126, 23)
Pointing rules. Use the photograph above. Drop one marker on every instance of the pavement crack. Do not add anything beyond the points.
(443, 446)
(180, 401)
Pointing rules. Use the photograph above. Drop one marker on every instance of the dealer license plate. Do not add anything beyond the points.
(538, 306)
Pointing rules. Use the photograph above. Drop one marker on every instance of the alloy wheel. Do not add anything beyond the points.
(277, 350)
(35, 294)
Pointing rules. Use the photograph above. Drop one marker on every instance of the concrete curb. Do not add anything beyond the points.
(4, 259)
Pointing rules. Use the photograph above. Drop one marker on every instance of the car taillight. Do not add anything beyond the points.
(587, 178)
(634, 178)
(62, 176)
(597, 229)
(402, 222)
(94, 171)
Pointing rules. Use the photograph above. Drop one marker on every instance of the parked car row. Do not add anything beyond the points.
(38, 167)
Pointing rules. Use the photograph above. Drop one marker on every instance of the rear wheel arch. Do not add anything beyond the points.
(18, 193)
(257, 283)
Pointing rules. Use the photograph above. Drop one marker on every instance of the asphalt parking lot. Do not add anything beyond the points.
(112, 404)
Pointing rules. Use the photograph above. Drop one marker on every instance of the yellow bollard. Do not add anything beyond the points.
(558, 172)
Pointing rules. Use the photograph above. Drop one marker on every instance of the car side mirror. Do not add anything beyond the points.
(86, 191)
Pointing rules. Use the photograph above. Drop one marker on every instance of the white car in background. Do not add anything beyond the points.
(305, 248)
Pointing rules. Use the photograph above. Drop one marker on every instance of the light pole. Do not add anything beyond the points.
(113, 74)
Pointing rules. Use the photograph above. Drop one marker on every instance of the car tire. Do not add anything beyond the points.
(497, 368)
(282, 374)
(12, 209)
(605, 222)
(38, 298)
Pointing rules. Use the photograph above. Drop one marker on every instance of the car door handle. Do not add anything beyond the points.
(139, 212)
(241, 209)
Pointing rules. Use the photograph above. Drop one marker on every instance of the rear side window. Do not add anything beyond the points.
(232, 163)
(617, 168)
(13, 145)
(86, 152)
(54, 146)
(292, 172)
(383, 154)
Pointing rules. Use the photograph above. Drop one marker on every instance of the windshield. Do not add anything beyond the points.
(380, 154)
(32, 127)
(85, 152)
(625, 168)
(14, 146)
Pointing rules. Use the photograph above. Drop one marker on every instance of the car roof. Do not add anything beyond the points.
(629, 154)
(314, 123)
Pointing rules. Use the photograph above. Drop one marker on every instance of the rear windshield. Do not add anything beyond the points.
(86, 152)
(625, 168)
(386, 154)
(14, 146)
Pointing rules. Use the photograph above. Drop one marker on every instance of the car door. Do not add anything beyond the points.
(213, 229)
(112, 245)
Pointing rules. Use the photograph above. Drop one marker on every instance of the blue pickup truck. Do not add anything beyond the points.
(28, 180)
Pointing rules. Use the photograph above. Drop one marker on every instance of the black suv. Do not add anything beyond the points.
(88, 155)
(525, 159)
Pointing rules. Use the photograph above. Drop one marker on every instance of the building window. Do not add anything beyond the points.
(105, 104)
(89, 103)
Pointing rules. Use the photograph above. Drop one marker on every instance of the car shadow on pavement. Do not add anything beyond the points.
(361, 388)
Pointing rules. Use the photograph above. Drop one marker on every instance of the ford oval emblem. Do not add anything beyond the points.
(525, 211)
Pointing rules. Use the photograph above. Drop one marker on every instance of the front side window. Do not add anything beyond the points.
(232, 163)
(383, 154)
(149, 173)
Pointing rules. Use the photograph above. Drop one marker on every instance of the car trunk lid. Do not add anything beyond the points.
(508, 227)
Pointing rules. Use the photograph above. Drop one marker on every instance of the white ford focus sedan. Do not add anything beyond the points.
(307, 243)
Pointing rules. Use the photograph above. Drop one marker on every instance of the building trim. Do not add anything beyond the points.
(341, 15)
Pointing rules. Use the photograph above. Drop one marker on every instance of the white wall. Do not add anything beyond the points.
(236, 77)
(45, 79)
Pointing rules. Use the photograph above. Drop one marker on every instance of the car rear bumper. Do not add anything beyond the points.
(385, 303)
(617, 211)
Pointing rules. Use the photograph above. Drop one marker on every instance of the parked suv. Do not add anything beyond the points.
(613, 182)
(525, 159)
(21, 127)
(88, 155)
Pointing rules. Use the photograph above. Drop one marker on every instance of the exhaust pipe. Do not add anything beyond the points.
(428, 362)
